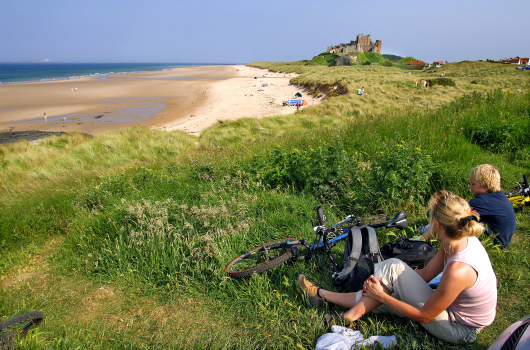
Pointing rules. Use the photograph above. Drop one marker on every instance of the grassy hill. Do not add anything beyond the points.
(328, 59)
(121, 239)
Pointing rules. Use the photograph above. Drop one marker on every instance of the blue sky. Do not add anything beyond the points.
(233, 31)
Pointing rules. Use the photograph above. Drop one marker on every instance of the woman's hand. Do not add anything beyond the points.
(375, 289)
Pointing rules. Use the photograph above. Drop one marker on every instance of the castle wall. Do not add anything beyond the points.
(362, 44)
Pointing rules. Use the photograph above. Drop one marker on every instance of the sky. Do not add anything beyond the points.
(234, 31)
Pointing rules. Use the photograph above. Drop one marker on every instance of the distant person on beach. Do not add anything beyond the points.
(45, 117)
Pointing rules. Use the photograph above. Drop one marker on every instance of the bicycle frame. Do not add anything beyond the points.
(520, 196)
(399, 220)
(267, 256)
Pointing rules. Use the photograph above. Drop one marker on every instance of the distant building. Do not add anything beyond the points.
(516, 60)
(362, 44)
(415, 63)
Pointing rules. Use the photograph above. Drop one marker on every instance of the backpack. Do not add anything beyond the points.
(360, 255)
(414, 253)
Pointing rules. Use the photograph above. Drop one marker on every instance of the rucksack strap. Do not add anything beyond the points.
(352, 253)
(375, 252)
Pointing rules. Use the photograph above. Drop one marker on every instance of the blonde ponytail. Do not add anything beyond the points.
(455, 215)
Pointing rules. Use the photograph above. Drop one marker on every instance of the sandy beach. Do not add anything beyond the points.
(189, 99)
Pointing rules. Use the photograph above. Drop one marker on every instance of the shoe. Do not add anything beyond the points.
(313, 292)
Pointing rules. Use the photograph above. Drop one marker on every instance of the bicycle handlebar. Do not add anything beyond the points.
(321, 217)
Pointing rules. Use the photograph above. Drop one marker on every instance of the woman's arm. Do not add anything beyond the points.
(456, 278)
(434, 267)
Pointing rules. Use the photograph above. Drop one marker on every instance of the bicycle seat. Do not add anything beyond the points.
(399, 220)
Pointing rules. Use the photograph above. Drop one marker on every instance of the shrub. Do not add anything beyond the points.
(392, 57)
(320, 171)
(443, 82)
(403, 174)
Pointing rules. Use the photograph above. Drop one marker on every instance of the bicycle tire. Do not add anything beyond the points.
(32, 320)
(281, 252)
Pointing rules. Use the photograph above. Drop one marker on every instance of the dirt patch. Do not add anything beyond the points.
(21, 278)
(14, 136)
(35, 267)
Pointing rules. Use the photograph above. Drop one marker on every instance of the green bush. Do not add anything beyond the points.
(443, 82)
(320, 171)
(403, 174)
(392, 57)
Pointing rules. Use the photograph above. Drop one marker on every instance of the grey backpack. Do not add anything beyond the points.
(360, 255)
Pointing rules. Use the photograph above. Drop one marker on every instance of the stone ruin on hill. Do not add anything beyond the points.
(362, 44)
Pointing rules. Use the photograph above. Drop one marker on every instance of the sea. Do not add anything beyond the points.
(18, 72)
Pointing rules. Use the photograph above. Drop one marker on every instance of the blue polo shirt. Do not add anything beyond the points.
(497, 214)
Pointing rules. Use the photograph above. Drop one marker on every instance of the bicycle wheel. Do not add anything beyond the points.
(262, 258)
(28, 320)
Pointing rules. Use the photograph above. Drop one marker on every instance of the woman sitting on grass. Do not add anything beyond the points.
(466, 297)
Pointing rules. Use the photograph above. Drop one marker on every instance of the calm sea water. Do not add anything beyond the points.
(25, 72)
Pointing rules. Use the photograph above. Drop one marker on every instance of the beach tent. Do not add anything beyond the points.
(298, 94)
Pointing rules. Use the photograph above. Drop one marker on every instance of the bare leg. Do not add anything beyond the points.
(363, 306)
(347, 300)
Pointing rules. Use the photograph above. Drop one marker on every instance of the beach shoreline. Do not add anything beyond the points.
(189, 99)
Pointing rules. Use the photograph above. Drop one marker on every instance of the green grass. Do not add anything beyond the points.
(126, 249)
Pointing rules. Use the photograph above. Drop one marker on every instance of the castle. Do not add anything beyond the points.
(362, 44)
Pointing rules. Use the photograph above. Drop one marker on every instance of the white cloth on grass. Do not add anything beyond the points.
(344, 338)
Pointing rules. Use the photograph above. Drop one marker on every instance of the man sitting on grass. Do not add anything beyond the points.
(495, 210)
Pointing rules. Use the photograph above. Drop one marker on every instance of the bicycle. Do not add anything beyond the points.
(519, 195)
(9, 331)
(272, 254)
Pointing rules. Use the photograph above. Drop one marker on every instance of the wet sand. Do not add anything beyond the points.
(189, 99)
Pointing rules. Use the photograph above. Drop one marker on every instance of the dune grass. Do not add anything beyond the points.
(121, 240)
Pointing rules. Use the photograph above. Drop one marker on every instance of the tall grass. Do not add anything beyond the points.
(141, 239)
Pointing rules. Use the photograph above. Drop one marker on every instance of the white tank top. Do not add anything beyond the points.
(476, 305)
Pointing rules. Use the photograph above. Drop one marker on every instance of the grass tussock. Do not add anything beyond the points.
(121, 240)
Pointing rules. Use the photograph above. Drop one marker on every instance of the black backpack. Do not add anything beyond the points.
(360, 255)
(416, 254)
